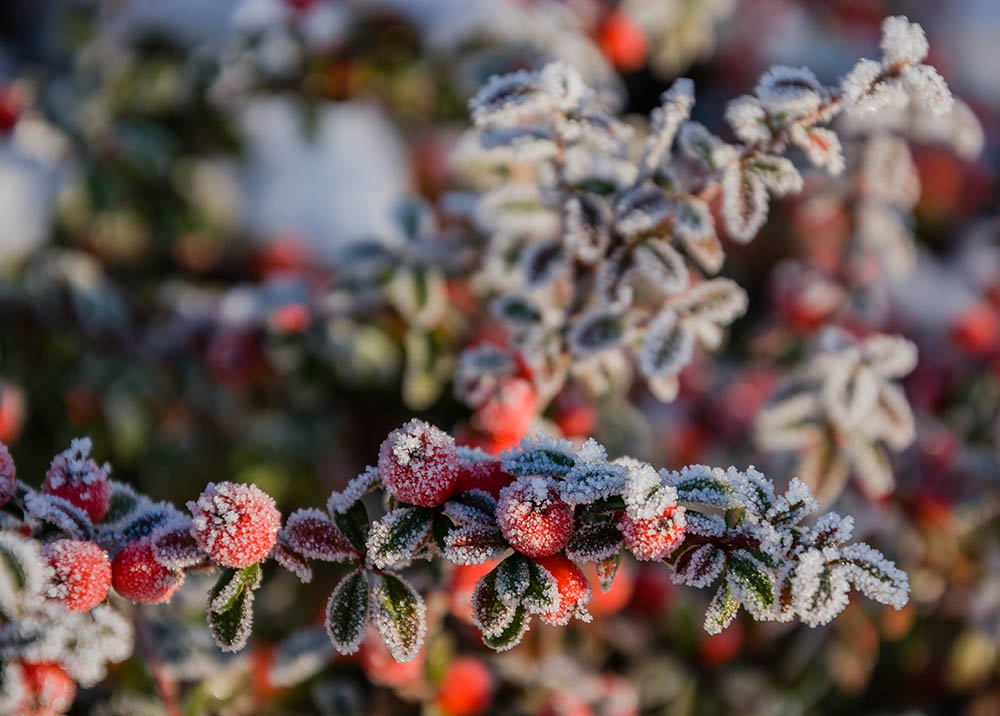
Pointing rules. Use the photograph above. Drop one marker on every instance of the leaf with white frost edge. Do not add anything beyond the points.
(348, 612)
(399, 614)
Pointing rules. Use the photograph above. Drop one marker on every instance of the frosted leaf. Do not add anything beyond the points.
(890, 356)
(754, 491)
(311, 533)
(175, 547)
(700, 566)
(927, 88)
(480, 371)
(24, 572)
(661, 263)
(517, 310)
(596, 331)
(789, 91)
(123, 503)
(396, 537)
(594, 542)
(12, 689)
(702, 484)
(748, 120)
(719, 300)
(849, 393)
(541, 595)
(903, 42)
(141, 523)
(300, 657)
(667, 346)
(230, 607)
(819, 588)
(489, 612)
(518, 144)
(518, 209)
(586, 227)
(60, 513)
(871, 465)
(675, 108)
(866, 90)
(831, 530)
(399, 614)
(790, 508)
(700, 145)
(543, 262)
(616, 273)
(788, 423)
(539, 455)
(505, 98)
(474, 544)
(341, 502)
(563, 85)
(592, 451)
(348, 612)
(721, 609)
(695, 229)
(892, 419)
(294, 562)
(645, 495)
(642, 209)
(588, 482)
(778, 174)
(744, 203)
(91, 641)
(821, 146)
(875, 576)
(471, 507)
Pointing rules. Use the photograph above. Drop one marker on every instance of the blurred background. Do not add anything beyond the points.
(181, 185)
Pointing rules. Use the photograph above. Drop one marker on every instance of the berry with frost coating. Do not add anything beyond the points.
(8, 476)
(419, 464)
(81, 573)
(478, 470)
(235, 525)
(533, 518)
(49, 690)
(574, 590)
(75, 477)
(654, 538)
(137, 576)
(466, 689)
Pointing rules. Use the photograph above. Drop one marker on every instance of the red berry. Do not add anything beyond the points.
(622, 41)
(574, 589)
(719, 649)
(655, 538)
(82, 573)
(533, 518)
(136, 575)
(466, 689)
(653, 589)
(478, 470)
(290, 318)
(49, 688)
(977, 329)
(11, 412)
(8, 475)
(75, 477)
(236, 525)
(12, 101)
(419, 464)
(510, 410)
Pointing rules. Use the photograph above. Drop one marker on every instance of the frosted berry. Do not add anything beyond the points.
(236, 525)
(419, 464)
(8, 475)
(81, 573)
(136, 575)
(75, 477)
(508, 413)
(533, 518)
(654, 538)
(574, 589)
(49, 690)
(478, 470)
(466, 689)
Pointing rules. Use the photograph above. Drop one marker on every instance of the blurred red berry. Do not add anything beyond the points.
(419, 464)
(509, 412)
(466, 689)
(716, 650)
(290, 318)
(235, 525)
(382, 669)
(461, 585)
(622, 41)
(49, 690)
(653, 589)
(565, 703)
(574, 589)
(81, 573)
(137, 576)
(12, 410)
(616, 598)
(75, 477)
(12, 101)
(977, 329)
(655, 538)
(533, 518)
(575, 414)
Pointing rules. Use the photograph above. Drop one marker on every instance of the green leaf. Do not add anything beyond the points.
(721, 610)
(747, 572)
(230, 612)
(398, 535)
(512, 633)
(399, 615)
(347, 612)
(489, 612)
(542, 593)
